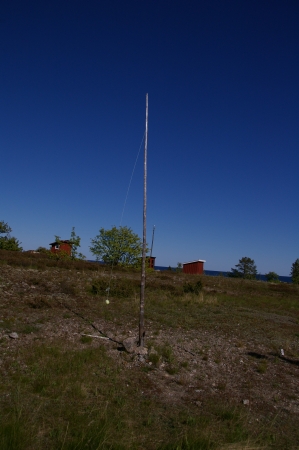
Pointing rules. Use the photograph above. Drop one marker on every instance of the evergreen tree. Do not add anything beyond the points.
(295, 272)
(246, 268)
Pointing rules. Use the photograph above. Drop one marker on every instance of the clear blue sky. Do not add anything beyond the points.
(223, 84)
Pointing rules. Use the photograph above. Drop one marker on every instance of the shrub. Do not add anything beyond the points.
(272, 277)
(121, 287)
(193, 288)
(10, 243)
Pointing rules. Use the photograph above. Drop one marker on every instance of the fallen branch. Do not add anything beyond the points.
(188, 351)
(93, 336)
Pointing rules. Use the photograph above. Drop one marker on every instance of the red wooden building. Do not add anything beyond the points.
(194, 267)
(151, 261)
(61, 246)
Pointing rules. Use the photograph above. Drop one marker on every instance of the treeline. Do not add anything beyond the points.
(115, 247)
(122, 247)
(246, 268)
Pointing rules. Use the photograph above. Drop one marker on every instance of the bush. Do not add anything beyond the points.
(10, 243)
(43, 250)
(121, 287)
(272, 277)
(195, 288)
(43, 259)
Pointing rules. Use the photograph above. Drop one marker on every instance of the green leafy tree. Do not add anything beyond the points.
(272, 277)
(295, 272)
(75, 241)
(246, 268)
(8, 242)
(118, 246)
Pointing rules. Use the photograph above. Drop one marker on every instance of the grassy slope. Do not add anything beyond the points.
(214, 376)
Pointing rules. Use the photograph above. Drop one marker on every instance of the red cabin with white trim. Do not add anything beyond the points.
(194, 267)
(61, 246)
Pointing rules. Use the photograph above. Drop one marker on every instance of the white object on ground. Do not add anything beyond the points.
(13, 335)
(92, 335)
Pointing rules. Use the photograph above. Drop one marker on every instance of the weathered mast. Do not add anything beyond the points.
(153, 235)
(142, 286)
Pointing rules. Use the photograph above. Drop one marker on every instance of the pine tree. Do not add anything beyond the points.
(295, 272)
(246, 268)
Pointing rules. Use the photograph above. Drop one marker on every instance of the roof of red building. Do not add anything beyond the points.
(197, 260)
(61, 242)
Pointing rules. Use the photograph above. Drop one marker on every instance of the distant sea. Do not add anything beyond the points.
(217, 273)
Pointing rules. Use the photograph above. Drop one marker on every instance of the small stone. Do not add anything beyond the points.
(245, 402)
(130, 344)
(141, 351)
(282, 352)
(14, 335)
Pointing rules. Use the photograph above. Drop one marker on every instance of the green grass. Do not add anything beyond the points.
(82, 399)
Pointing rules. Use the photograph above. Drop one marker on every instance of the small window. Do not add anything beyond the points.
(57, 247)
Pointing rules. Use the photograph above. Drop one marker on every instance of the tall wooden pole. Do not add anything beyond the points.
(142, 286)
(152, 241)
